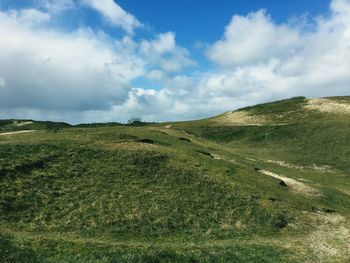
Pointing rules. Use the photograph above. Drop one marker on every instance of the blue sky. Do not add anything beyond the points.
(192, 20)
(205, 20)
(103, 60)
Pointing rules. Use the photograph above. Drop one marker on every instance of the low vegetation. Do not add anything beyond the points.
(202, 191)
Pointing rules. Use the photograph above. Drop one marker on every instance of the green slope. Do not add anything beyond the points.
(202, 191)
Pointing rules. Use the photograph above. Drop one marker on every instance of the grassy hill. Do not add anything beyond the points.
(268, 183)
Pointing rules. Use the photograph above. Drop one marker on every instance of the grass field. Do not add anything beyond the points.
(200, 191)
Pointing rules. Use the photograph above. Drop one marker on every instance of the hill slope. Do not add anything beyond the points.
(268, 183)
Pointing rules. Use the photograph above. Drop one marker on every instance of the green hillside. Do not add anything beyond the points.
(268, 183)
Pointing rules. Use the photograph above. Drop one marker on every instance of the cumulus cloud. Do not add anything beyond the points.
(259, 57)
(45, 69)
(114, 14)
(164, 52)
(253, 38)
(164, 43)
(77, 75)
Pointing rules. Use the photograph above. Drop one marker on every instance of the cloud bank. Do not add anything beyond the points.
(260, 56)
(45, 69)
(87, 75)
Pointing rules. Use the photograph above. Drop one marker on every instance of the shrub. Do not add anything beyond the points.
(135, 121)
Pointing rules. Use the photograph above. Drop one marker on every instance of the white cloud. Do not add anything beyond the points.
(253, 38)
(265, 60)
(26, 17)
(156, 75)
(114, 14)
(45, 69)
(164, 43)
(78, 75)
(340, 7)
(177, 61)
(165, 53)
(54, 6)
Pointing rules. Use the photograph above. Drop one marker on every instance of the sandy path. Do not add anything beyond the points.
(294, 185)
(16, 132)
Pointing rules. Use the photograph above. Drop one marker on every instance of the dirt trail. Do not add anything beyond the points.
(294, 185)
(318, 168)
(16, 132)
(219, 157)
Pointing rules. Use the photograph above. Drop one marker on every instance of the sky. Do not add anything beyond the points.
(104, 60)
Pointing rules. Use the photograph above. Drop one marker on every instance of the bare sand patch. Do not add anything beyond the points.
(331, 240)
(241, 118)
(328, 106)
(20, 124)
(322, 168)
